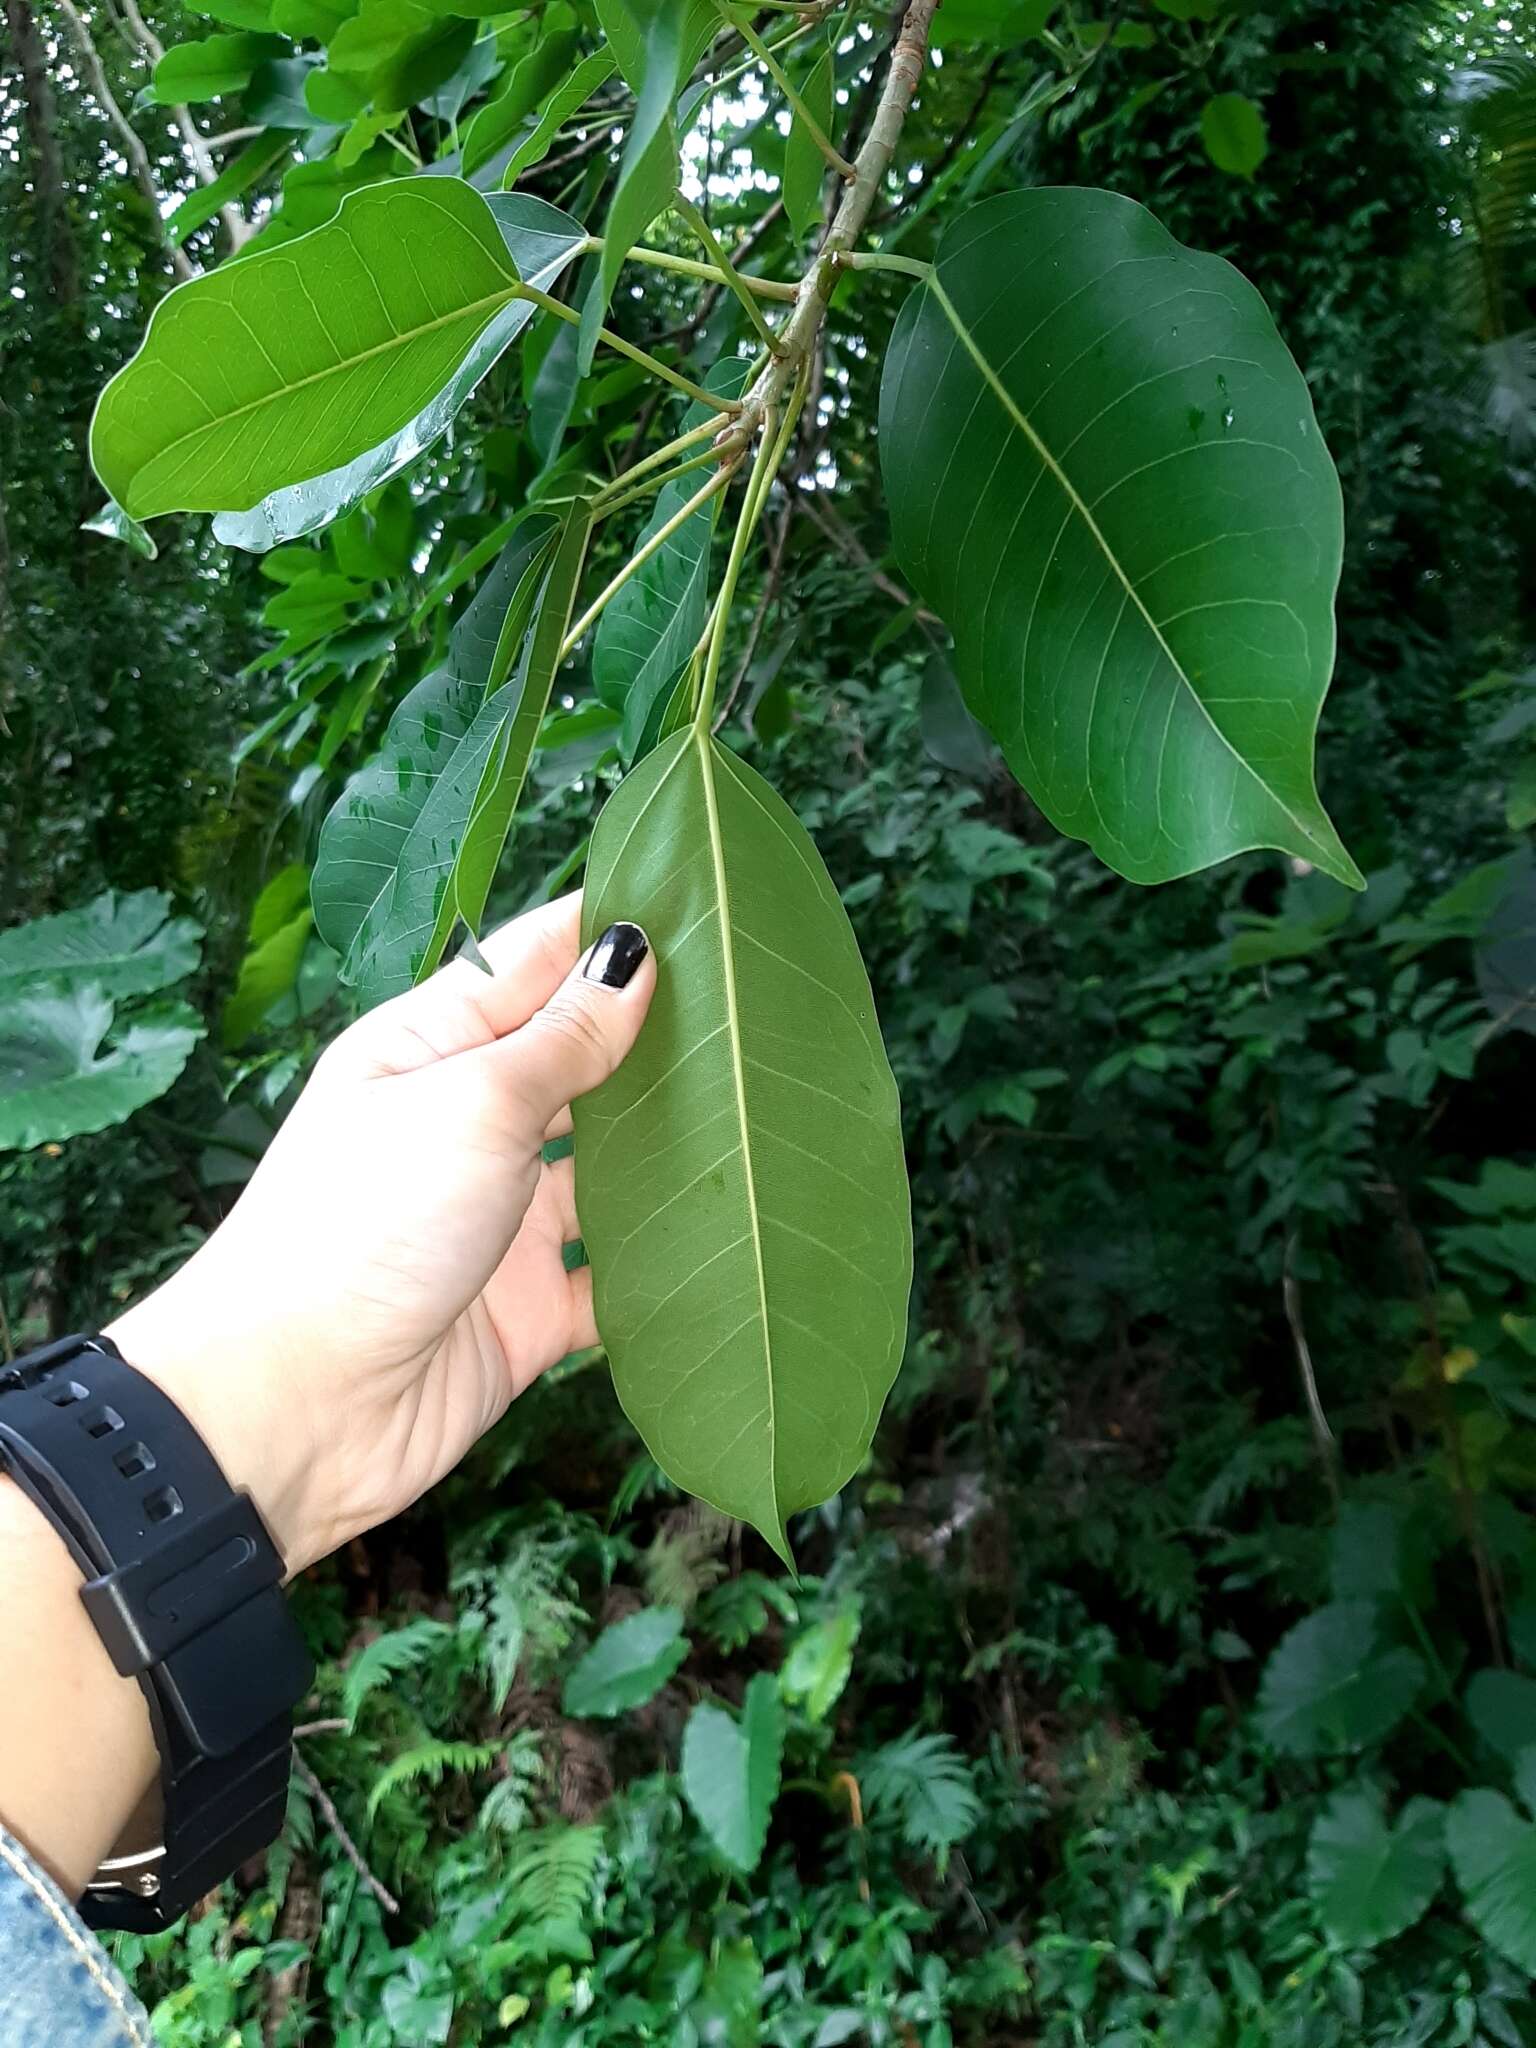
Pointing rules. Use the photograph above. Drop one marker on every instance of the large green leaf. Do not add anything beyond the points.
(740, 1180)
(1104, 471)
(628, 1664)
(1369, 1878)
(347, 350)
(1330, 1685)
(805, 168)
(119, 945)
(384, 886)
(56, 1082)
(730, 1770)
(1501, 1705)
(541, 130)
(210, 68)
(526, 85)
(1493, 1853)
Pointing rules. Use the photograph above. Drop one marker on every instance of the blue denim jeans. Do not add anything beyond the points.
(58, 1986)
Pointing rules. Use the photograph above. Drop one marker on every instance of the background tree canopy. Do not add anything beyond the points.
(1167, 1671)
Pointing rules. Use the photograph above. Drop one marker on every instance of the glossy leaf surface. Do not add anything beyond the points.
(346, 350)
(731, 1770)
(1105, 473)
(740, 1180)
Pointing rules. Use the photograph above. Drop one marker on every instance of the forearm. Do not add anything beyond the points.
(77, 1753)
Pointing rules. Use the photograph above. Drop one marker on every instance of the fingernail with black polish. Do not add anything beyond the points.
(617, 955)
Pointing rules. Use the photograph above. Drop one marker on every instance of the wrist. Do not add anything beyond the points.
(239, 1384)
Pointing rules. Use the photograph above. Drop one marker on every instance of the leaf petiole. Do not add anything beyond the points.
(727, 271)
(763, 52)
(872, 259)
(643, 554)
(722, 271)
(670, 376)
(617, 502)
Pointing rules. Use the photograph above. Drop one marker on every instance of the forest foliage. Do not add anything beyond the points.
(1166, 1672)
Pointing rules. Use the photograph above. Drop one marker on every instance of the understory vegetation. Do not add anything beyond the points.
(1166, 1677)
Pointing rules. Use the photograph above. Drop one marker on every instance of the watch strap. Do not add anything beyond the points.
(183, 1584)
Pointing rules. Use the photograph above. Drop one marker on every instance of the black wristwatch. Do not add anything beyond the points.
(184, 1585)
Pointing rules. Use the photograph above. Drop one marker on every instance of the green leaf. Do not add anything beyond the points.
(999, 24)
(649, 46)
(589, 74)
(1493, 1854)
(628, 1664)
(1371, 1879)
(255, 15)
(329, 354)
(279, 932)
(209, 69)
(512, 744)
(1234, 133)
(55, 1080)
(1501, 1705)
(526, 85)
(384, 868)
(740, 1180)
(954, 738)
(113, 523)
(805, 168)
(1329, 1687)
(730, 1771)
(820, 1663)
(117, 945)
(651, 628)
(237, 177)
(1131, 525)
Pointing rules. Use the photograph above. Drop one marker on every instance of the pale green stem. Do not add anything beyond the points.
(627, 348)
(653, 461)
(604, 505)
(802, 113)
(726, 273)
(642, 555)
(727, 270)
(871, 259)
(770, 454)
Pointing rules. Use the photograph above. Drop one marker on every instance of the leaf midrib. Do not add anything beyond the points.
(705, 744)
(492, 304)
(1079, 505)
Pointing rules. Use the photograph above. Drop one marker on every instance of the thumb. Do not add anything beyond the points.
(580, 1035)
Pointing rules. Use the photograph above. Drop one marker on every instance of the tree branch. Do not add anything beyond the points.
(133, 147)
(333, 1821)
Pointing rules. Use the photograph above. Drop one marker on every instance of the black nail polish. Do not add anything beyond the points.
(617, 955)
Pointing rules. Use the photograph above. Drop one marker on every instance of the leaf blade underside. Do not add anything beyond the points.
(740, 1181)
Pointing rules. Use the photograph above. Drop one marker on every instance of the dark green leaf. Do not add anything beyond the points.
(1371, 1879)
(237, 177)
(1153, 675)
(628, 1664)
(535, 145)
(1493, 1854)
(805, 168)
(954, 738)
(1501, 1705)
(526, 86)
(740, 1180)
(1329, 1687)
(382, 885)
(56, 1082)
(117, 945)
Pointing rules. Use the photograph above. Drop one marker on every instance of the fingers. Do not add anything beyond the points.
(461, 1007)
(582, 1032)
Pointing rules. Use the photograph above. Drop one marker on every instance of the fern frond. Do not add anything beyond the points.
(526, 1610)
(927, 1787)
(507, 1808)
(552, 1879)
(428, 1764)
(387, 1656)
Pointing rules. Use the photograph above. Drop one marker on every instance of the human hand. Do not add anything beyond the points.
(392, 1275)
